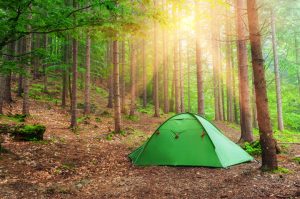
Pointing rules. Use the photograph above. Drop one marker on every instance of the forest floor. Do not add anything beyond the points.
(90, 164)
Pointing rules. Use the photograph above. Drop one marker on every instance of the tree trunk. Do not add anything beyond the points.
(181, 78)
(165, 69)
(172, 93)
(21, 50)
(133, 80)
(254, 111)
(45, 65)
(297, 52)
(117, 107)
(155, 71)
(35, 43)
(7, 79)
(25, 109)
(176, 82)
(87, 103)
(189, 77)
(216, 60)
(74, 80)
(245, 111)
(1, 93)
(65, 75)
(228, 70)
(110, 78)
(235, 108)
(277, 75)
(200, 94)
(144, 75)
(269, 158)
(122, 79)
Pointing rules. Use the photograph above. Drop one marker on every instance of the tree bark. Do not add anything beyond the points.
(297, 52)
(122, 79)
(133, 80)
(269, 158)
(110, 78)
(21, 50)
(216, 60)
(74, 86)
(74, 80)
(87, 106)
(228, 71)
(65, 74)
(117, 107)
(11, 50)
(144, 75)
(25, 109)
(176, 73)
(200, 94)
(45, 65)
(155, 70)
(189, 77)
(245, 111)
(165, 69)
(234, 93)
(181, 78)
(277, 75)
(1, 93)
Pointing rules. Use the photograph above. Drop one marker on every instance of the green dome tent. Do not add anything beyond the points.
(189, 140)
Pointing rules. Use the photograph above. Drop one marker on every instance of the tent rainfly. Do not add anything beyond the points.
(188, 139)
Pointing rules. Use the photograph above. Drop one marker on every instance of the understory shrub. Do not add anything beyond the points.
(253, 148)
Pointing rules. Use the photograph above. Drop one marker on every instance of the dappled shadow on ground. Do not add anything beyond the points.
(86, 165)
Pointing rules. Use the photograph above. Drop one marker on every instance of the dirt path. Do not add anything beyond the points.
(86, 165)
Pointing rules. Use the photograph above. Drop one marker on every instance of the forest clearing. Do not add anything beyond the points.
(149, 99)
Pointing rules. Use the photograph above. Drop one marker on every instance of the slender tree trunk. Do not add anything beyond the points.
(269, 158)
(155, 70)
(74, 81)
(176, 72)
(1, 93)
(25, 109)
(87, 106)
(74, 86)
(65, 75)
(133, 80)
(277, 75)
(172, 93)
(117, 107)
(181, 78)
(7, 87)
(200, 94)
(254, 111)
(245, 111)
(228, 71)
(235, 108)
(21, 50)
(144, 75)
(45, 65)
(122, 79)
(216, 60)
(165, 69)
(188, 77)
(110, 78)
(297, 51)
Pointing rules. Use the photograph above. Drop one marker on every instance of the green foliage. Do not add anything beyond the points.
(110, 136)
(36, 92)
(134, 118)
(253, 148)
(281, 170)
(29, 132)
(297, 160)
(97, 119)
